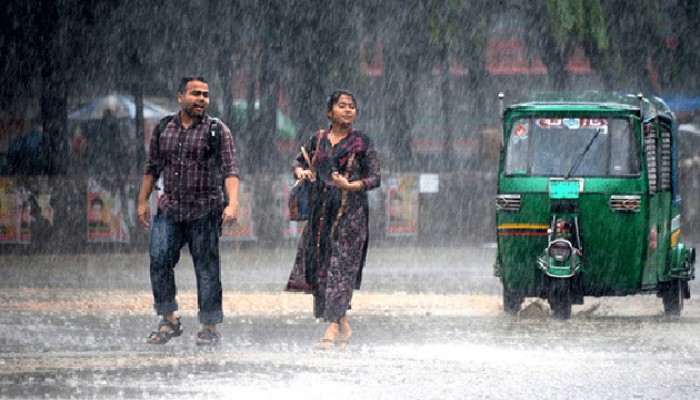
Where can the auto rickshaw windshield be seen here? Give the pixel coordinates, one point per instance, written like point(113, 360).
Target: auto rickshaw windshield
point(541, 146)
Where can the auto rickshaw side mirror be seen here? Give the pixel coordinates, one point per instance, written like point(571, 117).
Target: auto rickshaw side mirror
point(501, 95)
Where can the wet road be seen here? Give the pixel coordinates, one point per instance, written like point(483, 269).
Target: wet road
point(427, 325)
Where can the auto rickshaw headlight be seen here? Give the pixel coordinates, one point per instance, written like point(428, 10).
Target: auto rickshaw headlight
point(559, 250)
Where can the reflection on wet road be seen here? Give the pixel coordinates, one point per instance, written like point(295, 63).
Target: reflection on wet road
point(427, 325)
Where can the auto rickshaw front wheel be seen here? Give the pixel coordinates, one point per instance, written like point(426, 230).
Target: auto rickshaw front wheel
point(560, 298)
point(672, 296)
point(512, 300)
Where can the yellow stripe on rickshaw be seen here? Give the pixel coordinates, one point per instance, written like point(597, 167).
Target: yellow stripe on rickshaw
point(523, 226)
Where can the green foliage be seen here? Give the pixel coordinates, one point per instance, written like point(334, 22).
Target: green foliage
point(566, 16)
point(597, 27)
point(583, 19)
point(311, 46)
point(444, 24)
point(456, 26)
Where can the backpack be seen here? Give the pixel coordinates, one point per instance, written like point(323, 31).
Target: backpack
point(213, 147)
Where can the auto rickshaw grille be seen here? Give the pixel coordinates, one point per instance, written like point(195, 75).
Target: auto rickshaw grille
point(650, 145)
point(665, 159)
point(508, 202)
point(625, 203)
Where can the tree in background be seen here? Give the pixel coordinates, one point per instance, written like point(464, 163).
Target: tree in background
point(684, 46)
point(70, 49)
point(637, 45)
point(404, 61)
point(129, 46)
point(453, 40)
point(558, 27)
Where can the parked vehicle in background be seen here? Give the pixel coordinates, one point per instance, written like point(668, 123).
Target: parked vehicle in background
point(588, 202)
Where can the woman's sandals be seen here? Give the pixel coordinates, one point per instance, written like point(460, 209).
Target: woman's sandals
point(345, 333)
point(340, 339)
point(162, 336)
point(329, 338)
point(325, 344)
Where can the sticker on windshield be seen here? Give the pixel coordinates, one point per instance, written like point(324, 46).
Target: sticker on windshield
point(594, 122)
point(572, 123)
point(549, 122)
point(520, 132)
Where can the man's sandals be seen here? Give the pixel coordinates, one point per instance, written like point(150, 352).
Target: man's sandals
point(162, 336)
point(208, 337)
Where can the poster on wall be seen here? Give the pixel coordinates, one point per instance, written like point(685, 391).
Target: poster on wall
point(106, 216)
point(244, 228)
point(402, 203)
point(26, 210)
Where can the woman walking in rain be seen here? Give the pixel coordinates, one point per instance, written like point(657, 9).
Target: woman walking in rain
point(333, 246)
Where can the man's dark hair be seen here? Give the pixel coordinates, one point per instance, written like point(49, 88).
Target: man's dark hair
point(187, 79)
point(335, 96)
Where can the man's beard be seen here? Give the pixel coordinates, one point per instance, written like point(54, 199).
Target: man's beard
point(194, 114)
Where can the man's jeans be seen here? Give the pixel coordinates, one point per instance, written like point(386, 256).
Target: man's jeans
point(202, 238)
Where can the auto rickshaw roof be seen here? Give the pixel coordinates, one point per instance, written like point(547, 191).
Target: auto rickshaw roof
point(591, 101)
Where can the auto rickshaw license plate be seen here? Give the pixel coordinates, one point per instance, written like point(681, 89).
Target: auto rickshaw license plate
point(561, 189)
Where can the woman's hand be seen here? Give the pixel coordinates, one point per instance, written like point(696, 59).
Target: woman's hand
point(342, 183)
point(304, 174)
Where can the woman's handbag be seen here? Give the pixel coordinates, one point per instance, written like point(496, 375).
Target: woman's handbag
point(300, 194)
point(299, 198)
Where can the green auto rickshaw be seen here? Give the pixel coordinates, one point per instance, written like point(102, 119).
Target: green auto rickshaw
point(588, 202)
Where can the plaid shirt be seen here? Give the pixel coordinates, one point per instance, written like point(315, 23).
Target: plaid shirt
point(189, 189)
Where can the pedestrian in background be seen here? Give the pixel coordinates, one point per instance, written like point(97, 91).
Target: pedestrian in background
point(190, 210)
point(333, 246)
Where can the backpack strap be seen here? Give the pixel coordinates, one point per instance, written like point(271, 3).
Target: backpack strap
point(161, 126)
point(159, 130)
point(214, 155)
point(214, 140)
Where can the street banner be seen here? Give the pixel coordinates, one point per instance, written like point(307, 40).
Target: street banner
point(106, 220)
point(26, 210)
point(244, 228)
point(402, 203)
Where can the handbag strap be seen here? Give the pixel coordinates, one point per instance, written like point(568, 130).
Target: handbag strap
point(344, 198)
point(306, 154)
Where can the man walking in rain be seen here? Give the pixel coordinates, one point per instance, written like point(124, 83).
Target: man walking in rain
point(193, 154)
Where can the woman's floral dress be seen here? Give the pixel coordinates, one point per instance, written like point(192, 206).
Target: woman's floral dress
point(333, 246)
